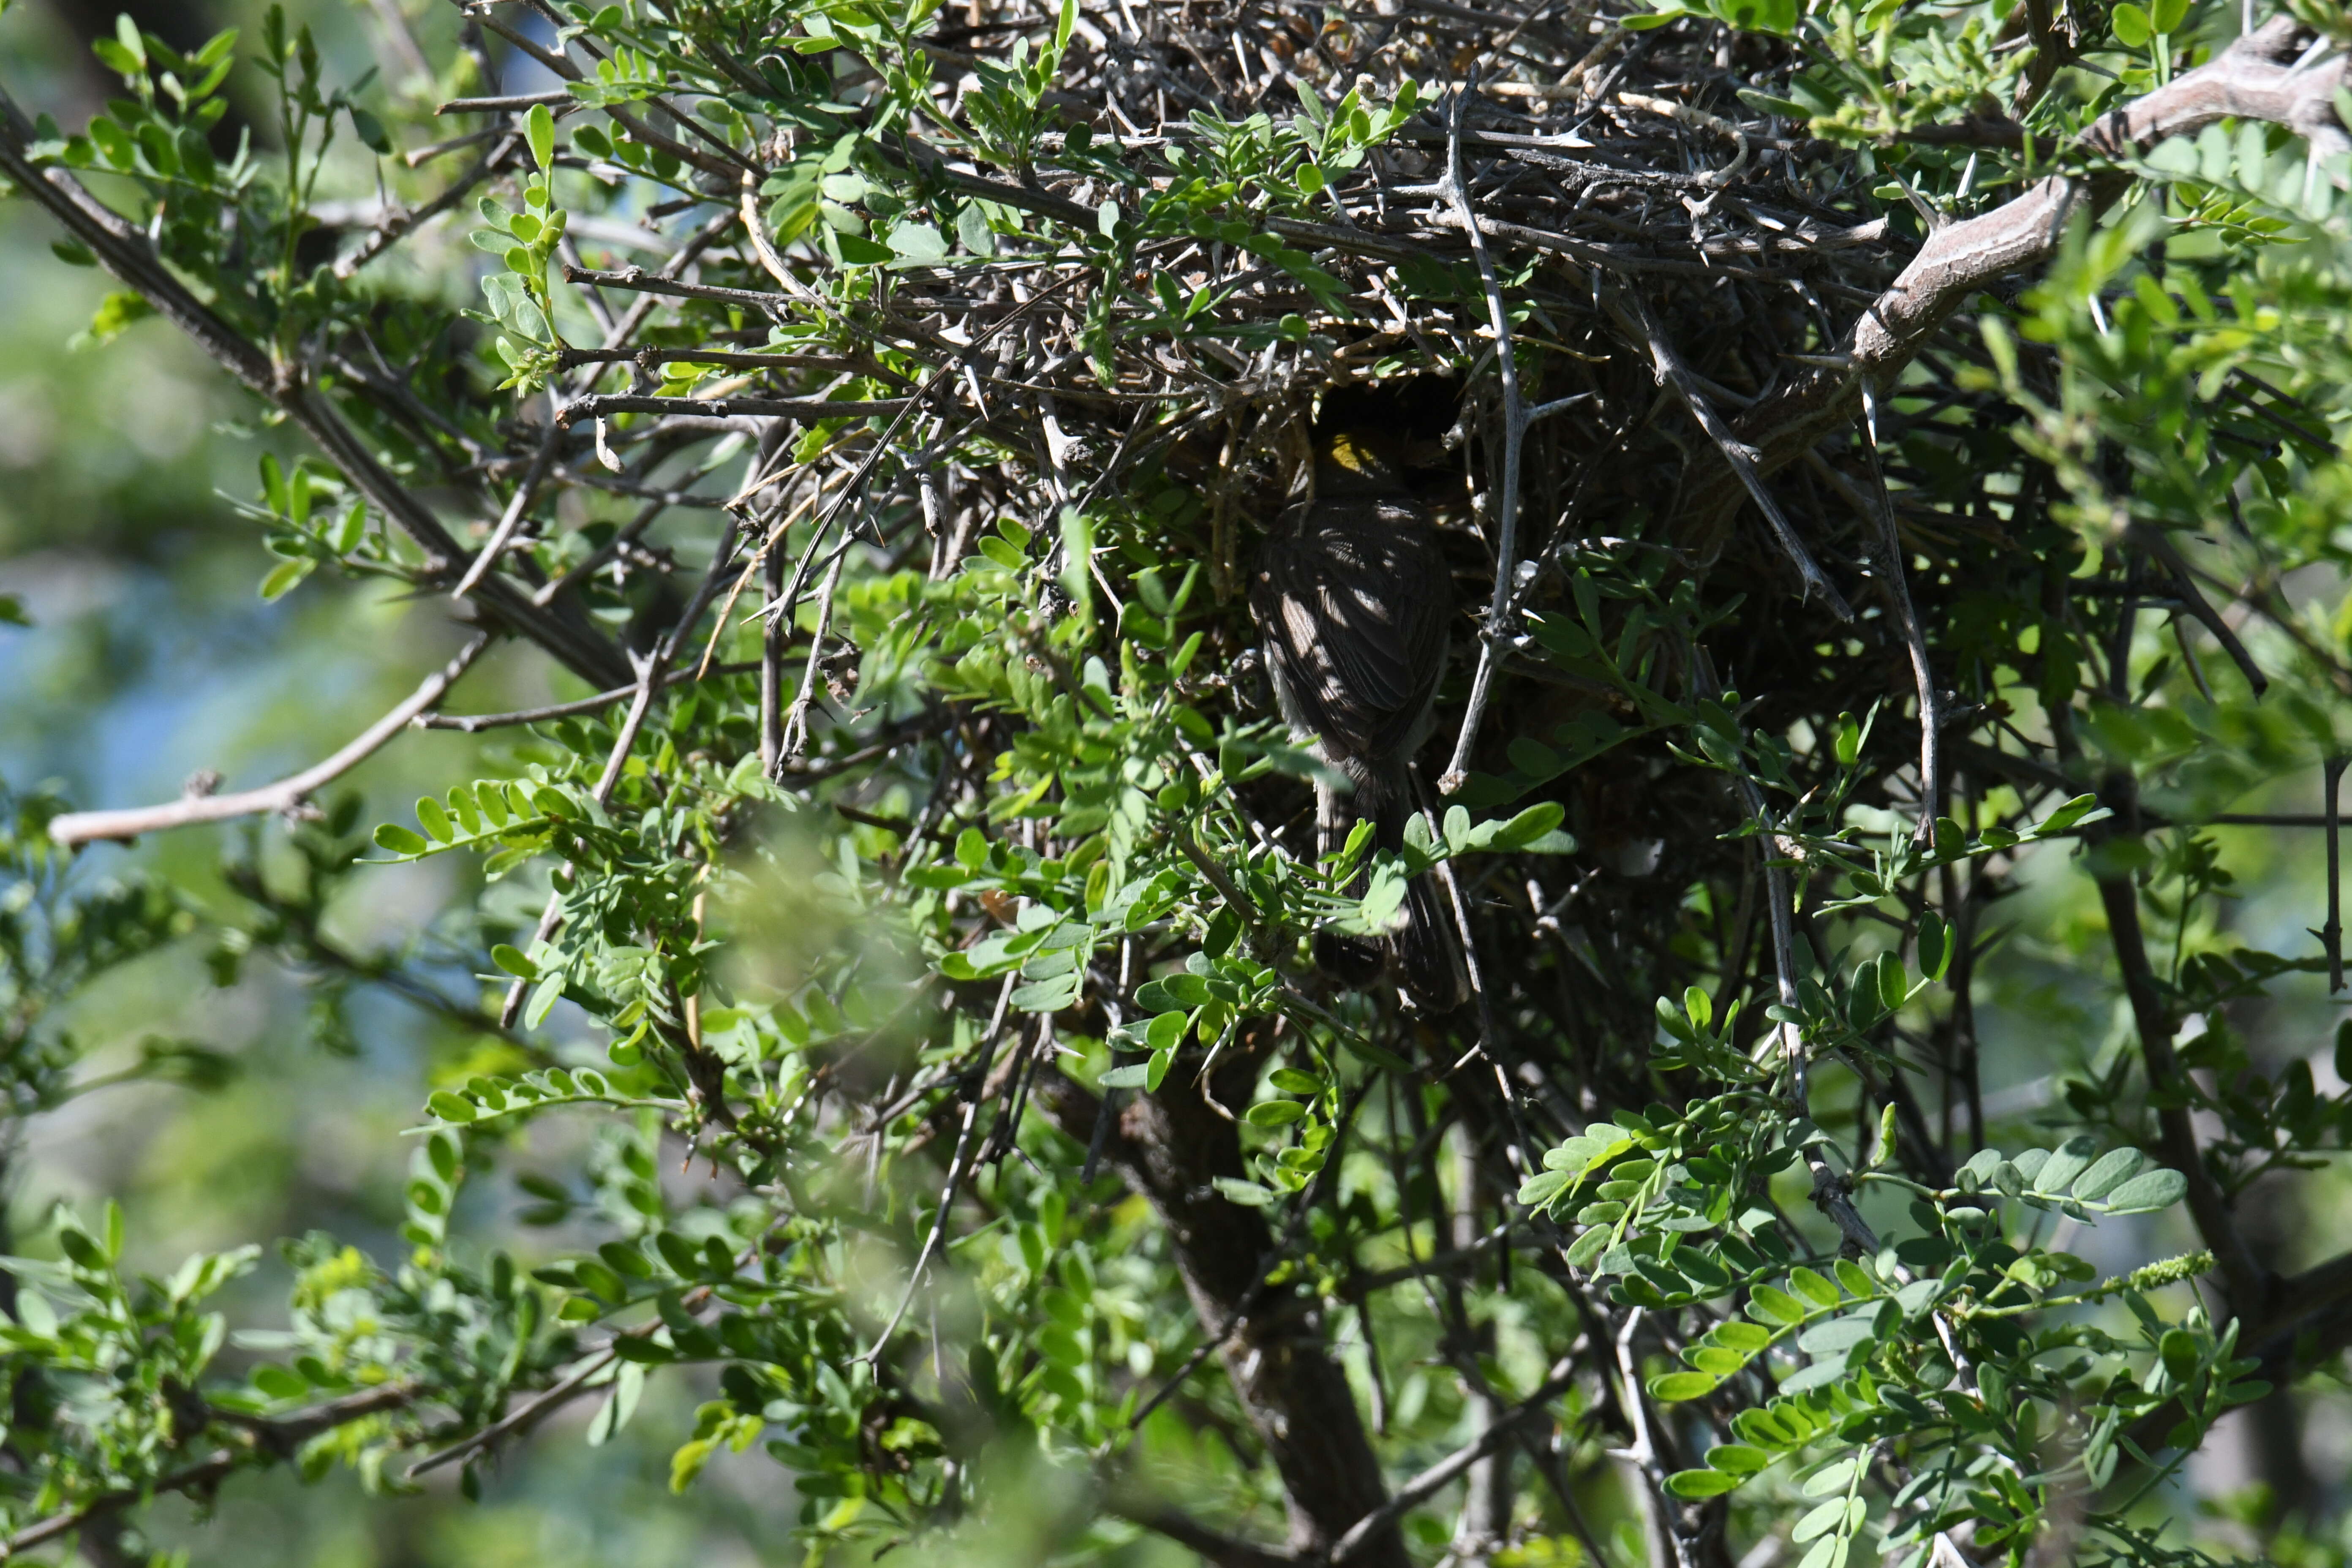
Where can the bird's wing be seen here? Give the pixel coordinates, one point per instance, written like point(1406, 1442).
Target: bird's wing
point(1354, 599)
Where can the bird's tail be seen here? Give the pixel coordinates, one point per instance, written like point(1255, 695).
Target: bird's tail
point(1429, 949)
point(1426, 950)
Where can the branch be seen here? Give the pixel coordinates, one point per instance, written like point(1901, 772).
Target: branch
point(2253, 79)
point(474, 723)
point(85, 827)
point(126, 253)
point(273, 1438)
point(2249, 1282)
point(1880, 514)
point(599, 405)
point(1515, 430)
point(1738, 455)
point(1212, 1546)
point(976, 1078)
point(563, 1392)
point(1427, 1483)
point(2155, 543)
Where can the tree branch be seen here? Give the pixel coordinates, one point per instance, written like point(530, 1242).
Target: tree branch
point(2253, 79)
point(2249, 1281)
point(126, 253)
point(1220, 1550)
point(598, 406)
point(274, 1439)
point(1515, 431)
point(1427, 1483)
point(79, 827)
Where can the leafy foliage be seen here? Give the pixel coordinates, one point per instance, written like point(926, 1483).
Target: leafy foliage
point(948, 917)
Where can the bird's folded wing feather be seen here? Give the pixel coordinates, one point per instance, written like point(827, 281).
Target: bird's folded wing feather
point(1354, 597)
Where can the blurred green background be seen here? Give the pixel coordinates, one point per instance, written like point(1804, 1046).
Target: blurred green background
point(149, 656)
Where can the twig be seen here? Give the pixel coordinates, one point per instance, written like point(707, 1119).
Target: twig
point(726, 359)
point(1685, 114)
point(977, 1077)
point(1427, 1483)
point(597, 405)
point(474, 723)
point(1219, 1549)
point(87, 827)
point(517, 505)
point(502, 105)
point(561, 1392)
point(280, 1436)
point(2155, 543)
point(773, 635)
point(651, 671)
point(1507, 498)
point(1898, 587)
point(794, 736)
point(126, 252)
point(1634, 1400)
point(2247, 1279)
point(1671, 371)
point(2332, 933)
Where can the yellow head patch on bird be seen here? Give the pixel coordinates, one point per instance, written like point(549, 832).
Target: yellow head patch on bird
point(1349, 451)
point(1358, 459)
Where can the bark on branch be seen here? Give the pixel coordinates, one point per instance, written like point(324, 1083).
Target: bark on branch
point(79, 827)
point(2253, 79)
point(1169, 1147)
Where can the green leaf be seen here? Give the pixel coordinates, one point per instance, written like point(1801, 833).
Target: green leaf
point(284, 576)
point(2166, 16)
point(539, 127)
point(2110, 1173)
point(2069, 1159)
point(1813, 1287)
point(2149, 1191)
point(1935, 945)
point(1695, 1484)
point(82, 1250)
point(1820, 1520)
point(1249, 1195)
point(451, 1107)
point(1674, 1386)
point(1748, 1338)
point(514, 961)
point(2132, 26)
point(1274, 1113)
point(543, 998)
point(917, 244)
point(400, 840)
point(1543, 1186)
point(1588, 1248)
point(2082, 806)
point(1738, 1459)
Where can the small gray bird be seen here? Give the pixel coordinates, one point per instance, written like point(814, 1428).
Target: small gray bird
point(1353, 599)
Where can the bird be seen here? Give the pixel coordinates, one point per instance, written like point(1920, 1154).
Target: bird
point(1354, 602)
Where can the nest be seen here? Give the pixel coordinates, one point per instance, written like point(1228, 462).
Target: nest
point(1056, 325)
